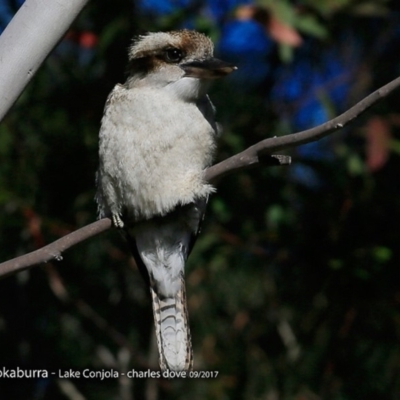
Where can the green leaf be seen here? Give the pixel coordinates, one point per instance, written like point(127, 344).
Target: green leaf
point(355, 165)
point(328, 7)
point(286, 53)
point(335, 264)
point(221, 210)
point(310, 25)
point(382, 254)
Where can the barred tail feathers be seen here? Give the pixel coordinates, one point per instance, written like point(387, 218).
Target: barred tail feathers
point(172, 330)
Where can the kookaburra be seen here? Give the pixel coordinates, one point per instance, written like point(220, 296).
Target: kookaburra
point(157, 137)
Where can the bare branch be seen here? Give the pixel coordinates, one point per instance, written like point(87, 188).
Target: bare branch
point(251, 156)
point(256, 154)
point(53, 251)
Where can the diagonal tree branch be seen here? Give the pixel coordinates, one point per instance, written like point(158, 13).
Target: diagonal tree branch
point(53, 251)
point(256, 154)
point(251, 156)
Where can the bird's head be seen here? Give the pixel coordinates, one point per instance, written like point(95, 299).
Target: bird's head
point(180, 60)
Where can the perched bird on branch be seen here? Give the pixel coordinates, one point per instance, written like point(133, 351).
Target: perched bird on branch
point(157, 137)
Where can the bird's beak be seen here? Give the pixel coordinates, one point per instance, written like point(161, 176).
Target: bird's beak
point(208, 69)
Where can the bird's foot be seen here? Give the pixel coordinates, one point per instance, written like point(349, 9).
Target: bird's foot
point(117, 221)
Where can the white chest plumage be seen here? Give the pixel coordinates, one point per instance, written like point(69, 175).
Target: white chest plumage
point(160, 146)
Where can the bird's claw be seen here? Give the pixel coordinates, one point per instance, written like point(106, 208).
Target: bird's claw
point(117, 221)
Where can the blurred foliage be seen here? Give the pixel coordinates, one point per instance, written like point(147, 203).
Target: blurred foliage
point(293, 286)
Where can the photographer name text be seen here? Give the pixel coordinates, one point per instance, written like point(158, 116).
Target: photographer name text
point(18, 373)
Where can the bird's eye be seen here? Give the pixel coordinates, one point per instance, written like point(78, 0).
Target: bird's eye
point(173, 55)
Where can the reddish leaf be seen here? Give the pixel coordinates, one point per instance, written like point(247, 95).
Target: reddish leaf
point(88, 39)
point(283, 33)
point(378, 135)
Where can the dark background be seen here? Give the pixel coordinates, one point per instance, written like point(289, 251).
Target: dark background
point(293, 286)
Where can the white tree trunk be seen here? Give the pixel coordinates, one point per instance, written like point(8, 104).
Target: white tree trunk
point(28, 39)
